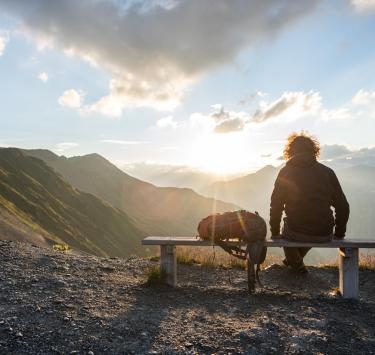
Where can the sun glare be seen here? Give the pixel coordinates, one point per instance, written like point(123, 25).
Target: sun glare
point(221, 154)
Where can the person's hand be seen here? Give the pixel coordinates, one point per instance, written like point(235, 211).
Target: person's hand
point(338, 237)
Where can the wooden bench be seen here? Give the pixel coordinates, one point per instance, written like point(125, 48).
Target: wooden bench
point(348, 257)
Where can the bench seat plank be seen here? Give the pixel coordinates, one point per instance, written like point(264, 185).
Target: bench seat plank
point(192, 241)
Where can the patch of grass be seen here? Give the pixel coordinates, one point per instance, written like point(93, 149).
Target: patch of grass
point(154, 276)
point(237, 263)
point(62, 248)
point(366, 262)
point(186, 260)
point(214, 257)
point(202, 256)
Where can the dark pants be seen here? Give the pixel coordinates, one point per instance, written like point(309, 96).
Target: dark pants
point(294, 256)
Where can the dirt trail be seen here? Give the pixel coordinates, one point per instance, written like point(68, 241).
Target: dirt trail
point(53, 303)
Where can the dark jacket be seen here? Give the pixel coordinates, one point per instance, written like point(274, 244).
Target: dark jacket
point(306, 189)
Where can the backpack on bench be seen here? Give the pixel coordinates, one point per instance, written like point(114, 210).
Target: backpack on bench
point(239, 226)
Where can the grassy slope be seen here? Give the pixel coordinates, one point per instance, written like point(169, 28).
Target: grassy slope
point(157, 210)
point(17, 226)
point(39, 197)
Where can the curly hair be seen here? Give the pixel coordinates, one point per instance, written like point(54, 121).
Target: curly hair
point(301, 143)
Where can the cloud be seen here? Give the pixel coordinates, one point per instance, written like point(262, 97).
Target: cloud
point(62, 147)
point(289, 106)
point(107, 105)
point(230, 125)
point(201, 121)
point(291, 103)
point(295, 105)
point(167, 122)
point(363, 97)
point(362, 104)
point(71, 98)
point(153, 50)
point(122, 142)
point(341, 156)
point(4, 38)
point(221, 114)
point(252, 97)
point(334, 151)
point(364, 6)
point(227, 121)
point(43, 77)
point(340, 151)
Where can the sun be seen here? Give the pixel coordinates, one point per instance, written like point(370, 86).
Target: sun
point(221, 154)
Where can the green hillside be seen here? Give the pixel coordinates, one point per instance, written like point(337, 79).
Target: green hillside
point(40, 200)
point(17, 226)
point(156, 210)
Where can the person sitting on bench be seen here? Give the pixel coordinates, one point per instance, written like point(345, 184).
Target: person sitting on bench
point(306, 190)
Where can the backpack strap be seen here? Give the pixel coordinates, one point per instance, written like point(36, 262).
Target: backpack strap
point(252, 259)
point(257, 275)
point(232, 250)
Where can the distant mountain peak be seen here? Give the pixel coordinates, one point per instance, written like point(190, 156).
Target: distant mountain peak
point(266, 168)
point(43, 154)
point(93, 158)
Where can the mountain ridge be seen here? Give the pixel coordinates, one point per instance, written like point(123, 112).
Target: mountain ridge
point(156, 210)
point(33, 193)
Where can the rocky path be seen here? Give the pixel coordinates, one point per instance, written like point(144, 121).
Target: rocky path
point(54, 303)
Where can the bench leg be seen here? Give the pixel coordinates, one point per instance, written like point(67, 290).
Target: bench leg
point(168, 264)
point(349, 269)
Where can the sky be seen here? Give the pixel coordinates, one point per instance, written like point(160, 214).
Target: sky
point(212, 84)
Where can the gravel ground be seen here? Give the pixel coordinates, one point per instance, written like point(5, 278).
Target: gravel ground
point(55, 303)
